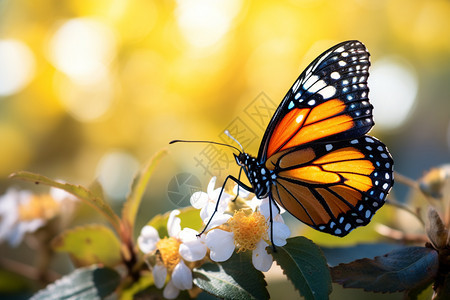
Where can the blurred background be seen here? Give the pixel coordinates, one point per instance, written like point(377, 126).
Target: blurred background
point(92, 89)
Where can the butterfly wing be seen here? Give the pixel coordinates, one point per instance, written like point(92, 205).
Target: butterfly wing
point(333, 187)
point(328, 101)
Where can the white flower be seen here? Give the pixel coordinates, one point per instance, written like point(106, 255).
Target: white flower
point(22, 212)
point(207, 202)
point(248, 232)
point(179, 246)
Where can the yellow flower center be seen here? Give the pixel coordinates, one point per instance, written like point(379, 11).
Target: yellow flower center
point(39, 207)
point(248, 229)
point(168, 248)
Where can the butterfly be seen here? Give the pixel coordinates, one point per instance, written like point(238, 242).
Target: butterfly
point(315, 159)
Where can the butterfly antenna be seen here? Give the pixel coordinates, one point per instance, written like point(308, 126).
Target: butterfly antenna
point(234, 139)
point(205, 142)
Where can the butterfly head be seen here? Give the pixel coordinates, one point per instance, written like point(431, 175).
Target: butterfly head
point(241, 159)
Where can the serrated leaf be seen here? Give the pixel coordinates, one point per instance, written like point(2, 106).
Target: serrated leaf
point(189, 216)
point(305, 266)
point(87, 245)
point(235, 278)
point(338, 255)
point(403, 269)
point(86, 283)
point(138, 187)
point(79, 191)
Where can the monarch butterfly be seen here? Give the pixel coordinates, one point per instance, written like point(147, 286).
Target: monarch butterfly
point(315, 159)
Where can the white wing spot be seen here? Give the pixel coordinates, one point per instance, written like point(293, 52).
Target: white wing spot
point(328, 92)
point(311, 80)
point(340, 49)
point(342, 63)
point(344, 54)
point(296, 85)
point(317, 86)
point(311, 102)
point(335, 75)
point(329, 147)
point(369, 140)
point(299, 119)
point(354, 142)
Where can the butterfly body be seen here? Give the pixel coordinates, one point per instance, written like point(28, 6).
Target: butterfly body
point(315, 159)
point(260, 177)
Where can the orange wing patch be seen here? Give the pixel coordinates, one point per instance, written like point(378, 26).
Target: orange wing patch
point(339, 178)
point(309, 211)
point(287, 127)
point(301, 126)
point(294, 158)
point(334, 203)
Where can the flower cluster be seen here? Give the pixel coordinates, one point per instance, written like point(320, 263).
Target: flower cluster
point(243, 224)
point(23, 212)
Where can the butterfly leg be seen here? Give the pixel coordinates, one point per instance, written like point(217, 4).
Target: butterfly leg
point(271, 223)
point(239, 179)
point(220, 195)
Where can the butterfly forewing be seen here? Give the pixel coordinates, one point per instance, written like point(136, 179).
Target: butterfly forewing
point(329, 101)
point(333, 187)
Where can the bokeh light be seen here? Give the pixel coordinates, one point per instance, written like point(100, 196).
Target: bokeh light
point(82, 48)
point(17, 66)
point(393, 89)
point(89, 90)
point(115, 172)
point(203, 22)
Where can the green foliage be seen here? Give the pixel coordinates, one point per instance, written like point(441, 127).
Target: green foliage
point(89, 245)
point(138, 187)
point(85, 283)
point(92, 198)
point(404, 269)
point(235, 278)
point(189, 218)
point(305, 266)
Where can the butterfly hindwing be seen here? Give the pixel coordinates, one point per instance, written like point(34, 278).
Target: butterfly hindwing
point(333, 187)
point(328, 101)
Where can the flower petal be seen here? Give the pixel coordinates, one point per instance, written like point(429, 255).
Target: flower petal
point(171, 291)
point(220, 244)
point(218, 219)
point(147, 239)
point(192, 248)
point(211, 186)
point(239, 190)
point(159, 275)
point(280, 233)
point(260, 258)
point(182, 276)
point(199, 199)
point(173, 224)
point(265, 209)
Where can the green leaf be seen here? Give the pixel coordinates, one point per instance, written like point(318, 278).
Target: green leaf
point(89, 245)
point(189, 216)
point(92, 198)
point(305, 266)
point(235, 278)
point(138, 187)
point(86, 283)
point(399, 270)
point(337, 255)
